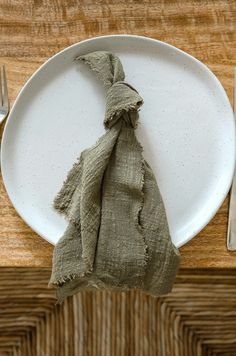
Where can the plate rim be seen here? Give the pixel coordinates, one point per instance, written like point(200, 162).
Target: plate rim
point(125, 36)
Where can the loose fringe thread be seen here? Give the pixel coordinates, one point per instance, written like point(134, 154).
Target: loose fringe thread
point(140, 207)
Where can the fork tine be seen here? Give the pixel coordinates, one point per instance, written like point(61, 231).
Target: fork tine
point(1, 100)
point(5, 95)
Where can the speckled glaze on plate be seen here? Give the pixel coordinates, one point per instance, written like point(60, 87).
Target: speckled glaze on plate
point(186, 128)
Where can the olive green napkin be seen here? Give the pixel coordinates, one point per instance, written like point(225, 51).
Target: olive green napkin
point(117, 236)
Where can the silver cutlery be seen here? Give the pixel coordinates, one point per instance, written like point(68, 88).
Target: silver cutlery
point(231, 235)
point(4, 102)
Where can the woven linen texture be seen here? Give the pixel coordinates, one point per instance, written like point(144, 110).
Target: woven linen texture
point(117, 235)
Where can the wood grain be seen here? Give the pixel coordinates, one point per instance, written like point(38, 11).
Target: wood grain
point(32, 31)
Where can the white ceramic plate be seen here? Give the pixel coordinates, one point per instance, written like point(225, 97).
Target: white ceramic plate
point(186, 128)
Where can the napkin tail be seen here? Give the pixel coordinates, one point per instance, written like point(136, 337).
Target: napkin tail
point(80, 201)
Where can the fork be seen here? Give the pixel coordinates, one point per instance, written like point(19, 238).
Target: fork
point(4, 102)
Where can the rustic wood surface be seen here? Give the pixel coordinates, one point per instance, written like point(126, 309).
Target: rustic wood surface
point(32, 31)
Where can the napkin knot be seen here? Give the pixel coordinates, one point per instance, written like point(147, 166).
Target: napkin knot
point(122, 100)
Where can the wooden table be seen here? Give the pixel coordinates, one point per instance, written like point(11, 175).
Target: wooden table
point(198, 317)
point(32, 31)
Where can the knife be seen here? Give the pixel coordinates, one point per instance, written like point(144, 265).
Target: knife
point(231, 234)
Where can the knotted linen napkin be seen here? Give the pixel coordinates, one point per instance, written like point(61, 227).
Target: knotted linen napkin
point(117, 236)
